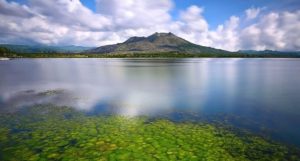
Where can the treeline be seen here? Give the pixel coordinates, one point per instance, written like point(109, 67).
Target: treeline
point(7, 53)
point(189, 55)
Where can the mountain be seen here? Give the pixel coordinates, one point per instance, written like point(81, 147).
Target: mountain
point(44, 48)
point(157, 42)
point(270, 52)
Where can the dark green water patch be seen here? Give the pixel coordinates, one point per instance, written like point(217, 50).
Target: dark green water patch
point(61, 133)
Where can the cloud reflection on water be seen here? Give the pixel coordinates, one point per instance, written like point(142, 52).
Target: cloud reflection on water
point(261, 90)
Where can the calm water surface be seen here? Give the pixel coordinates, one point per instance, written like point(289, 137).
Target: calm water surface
point(260, 95)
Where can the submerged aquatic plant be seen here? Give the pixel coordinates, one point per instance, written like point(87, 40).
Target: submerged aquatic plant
point(61, 133)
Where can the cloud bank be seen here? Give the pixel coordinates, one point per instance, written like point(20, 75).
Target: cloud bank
point(66, 22)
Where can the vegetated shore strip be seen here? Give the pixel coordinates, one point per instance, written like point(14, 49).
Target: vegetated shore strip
point(144, 55)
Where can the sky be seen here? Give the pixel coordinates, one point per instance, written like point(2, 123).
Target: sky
point(227, 24)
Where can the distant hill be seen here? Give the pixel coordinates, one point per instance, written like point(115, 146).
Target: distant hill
point(271, 52)
point(44, 49)
point(157, 42)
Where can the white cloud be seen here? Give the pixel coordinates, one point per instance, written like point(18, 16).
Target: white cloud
point(275, 31)
point(135, 13)
point(226, 36)
point(193, 21)
point(50, 22)
point(194, 27)
point(72, 13)
point(191, 25)
point(252, 13)
point(9, 9)
point(70, 22)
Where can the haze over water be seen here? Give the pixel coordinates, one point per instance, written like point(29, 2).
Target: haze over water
point(260, 95)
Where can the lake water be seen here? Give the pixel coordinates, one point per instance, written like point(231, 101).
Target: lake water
point(259, 95)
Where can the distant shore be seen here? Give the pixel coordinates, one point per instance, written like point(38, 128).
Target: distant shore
point(1, 58)
point(143, 55)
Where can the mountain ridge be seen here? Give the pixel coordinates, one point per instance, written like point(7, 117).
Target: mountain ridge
point(157, 42)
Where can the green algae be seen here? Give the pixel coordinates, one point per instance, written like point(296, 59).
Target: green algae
point(61, 133)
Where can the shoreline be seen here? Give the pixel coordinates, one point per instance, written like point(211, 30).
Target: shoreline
point(3, 58)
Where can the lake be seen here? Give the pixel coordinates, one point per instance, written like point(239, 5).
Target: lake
point(261, 96)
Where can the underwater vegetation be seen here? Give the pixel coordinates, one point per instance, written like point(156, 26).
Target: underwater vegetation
point(47, 132)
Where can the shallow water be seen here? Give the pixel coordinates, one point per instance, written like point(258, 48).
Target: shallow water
point(259, 95)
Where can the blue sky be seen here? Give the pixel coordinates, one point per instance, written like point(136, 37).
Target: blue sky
point(216, 12)
point(224, 24)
